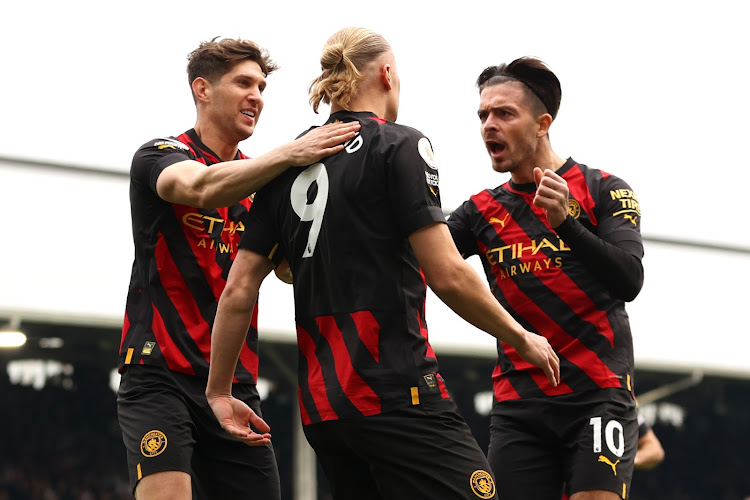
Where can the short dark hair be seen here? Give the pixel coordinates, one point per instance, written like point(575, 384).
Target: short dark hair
point(215, 58)
point(535, 76)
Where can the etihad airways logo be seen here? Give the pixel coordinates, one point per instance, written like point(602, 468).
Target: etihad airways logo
point(530, 248)
point(201, 222)
point(522, 257)
point(205, 226)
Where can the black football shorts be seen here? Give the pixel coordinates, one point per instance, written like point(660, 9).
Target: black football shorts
point(167, 425)
point(426, 451)
point(585, 441)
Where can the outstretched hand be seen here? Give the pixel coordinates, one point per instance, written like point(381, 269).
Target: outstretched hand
point(237, 418)
point(321, 142)
point(551, 195)
point(537, 351)
point(284, 272)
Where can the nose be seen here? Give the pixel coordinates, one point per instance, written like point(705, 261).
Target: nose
point(488, 126)
point(255, 96)
point(489, 123)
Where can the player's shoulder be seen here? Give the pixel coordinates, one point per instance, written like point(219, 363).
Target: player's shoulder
point(152, 153)
point(591, 171)
point(404, 132)
point(502, 191)
point(164, 143)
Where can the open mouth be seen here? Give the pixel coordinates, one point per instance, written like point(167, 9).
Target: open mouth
point(495, 148)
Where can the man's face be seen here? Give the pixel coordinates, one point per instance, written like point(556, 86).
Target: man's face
point(237, 100)
point(509, 128)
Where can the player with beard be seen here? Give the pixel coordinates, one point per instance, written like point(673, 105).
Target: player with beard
point(561, 247)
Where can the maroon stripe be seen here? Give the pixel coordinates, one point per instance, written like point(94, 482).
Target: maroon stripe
point(579, 189)
point(422, 328)
point(502, 387)
point(302, 410)
point(176, 361)
point(183, 301)
point(315, 383)
point(369, 332)
point(353, 385)
point(198, 229)
point(554, 278)
point(125, 329)
point(249, 358)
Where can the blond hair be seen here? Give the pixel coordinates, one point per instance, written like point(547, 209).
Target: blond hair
point(342, 62)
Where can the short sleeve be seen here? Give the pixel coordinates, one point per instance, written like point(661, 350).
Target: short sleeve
point(261, 229)
point(153, 157)
point(459, 223)
point(412, 180)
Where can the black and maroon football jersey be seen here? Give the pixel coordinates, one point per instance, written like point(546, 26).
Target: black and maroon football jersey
point(547, 289)
point(182, 260)
point(343, 224)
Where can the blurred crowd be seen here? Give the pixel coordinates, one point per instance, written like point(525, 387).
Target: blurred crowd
point(63, 442)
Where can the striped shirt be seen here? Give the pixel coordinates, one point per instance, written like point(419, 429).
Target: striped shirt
point(546, 288)
point(182, 260)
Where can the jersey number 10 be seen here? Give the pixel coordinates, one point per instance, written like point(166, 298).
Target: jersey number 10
point(612, 430)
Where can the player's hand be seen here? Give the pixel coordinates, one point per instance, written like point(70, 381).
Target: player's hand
point(321, 142)
point(236, 418)
point(551, 195)
point(284, 272)
point(536, 350)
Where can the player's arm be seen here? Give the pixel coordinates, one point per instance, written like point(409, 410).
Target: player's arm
point(232, 321)
point(191, 183)
point(460, 229)
point(650, 451)
point(616, 264)
point(456, 283)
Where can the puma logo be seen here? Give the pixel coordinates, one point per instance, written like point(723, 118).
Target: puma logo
point(495, 220)
point(604, 459)
point(631, 218)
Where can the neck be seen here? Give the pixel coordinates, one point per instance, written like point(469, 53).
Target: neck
point(545, 158)
point(215, 140)
point(363, 103)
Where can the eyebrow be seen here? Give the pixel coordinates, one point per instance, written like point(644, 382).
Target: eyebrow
point(507, 107)
point(249, 76)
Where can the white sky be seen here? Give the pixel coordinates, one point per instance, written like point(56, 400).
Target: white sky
point(654, 92)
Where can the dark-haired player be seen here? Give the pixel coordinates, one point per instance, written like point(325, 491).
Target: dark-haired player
point(189, 196)
point(561, 247)
point(356, 229)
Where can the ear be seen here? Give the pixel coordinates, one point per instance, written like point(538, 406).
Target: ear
point(545, 121)
point(385, 76)
point(201, 89)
